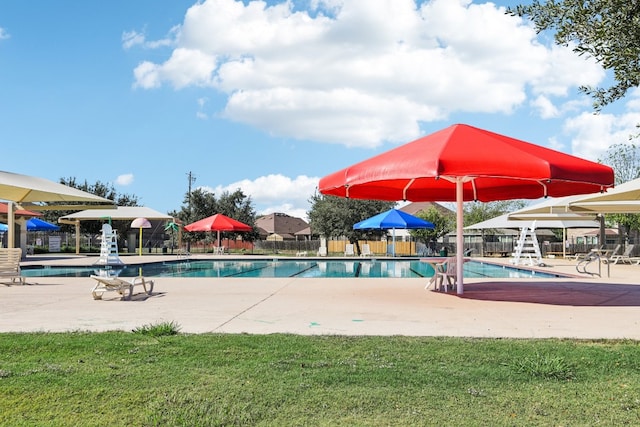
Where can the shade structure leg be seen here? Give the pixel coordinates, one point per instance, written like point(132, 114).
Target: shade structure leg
point(11, 222)
point(394, 242)
point(140, 244)
point(459, 235)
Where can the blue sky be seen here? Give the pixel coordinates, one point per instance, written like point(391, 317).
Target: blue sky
point(271, 96)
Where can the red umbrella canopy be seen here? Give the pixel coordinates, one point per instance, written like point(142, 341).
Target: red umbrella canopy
point(462, 163)
point(490, 166)
point(218, 222)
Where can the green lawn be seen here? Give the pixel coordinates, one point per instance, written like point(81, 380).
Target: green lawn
point(153, 377)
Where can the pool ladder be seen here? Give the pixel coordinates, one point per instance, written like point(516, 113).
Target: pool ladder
point(590, 258)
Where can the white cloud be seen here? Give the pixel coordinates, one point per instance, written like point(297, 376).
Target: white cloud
point(202, 102)
point(125, 179)
point(131, 38)
point(288, 208)
point(592, 134)
point(4, 34)
point(360, 73)
point(185, 67)
point(275, 193)
point(135, 38)
point(545, 107)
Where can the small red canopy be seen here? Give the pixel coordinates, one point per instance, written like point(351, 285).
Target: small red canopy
point(218, 222)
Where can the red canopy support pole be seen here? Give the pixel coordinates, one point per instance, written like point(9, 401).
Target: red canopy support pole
point(459, 234)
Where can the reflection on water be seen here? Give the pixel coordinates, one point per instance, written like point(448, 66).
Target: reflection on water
point(368, 268)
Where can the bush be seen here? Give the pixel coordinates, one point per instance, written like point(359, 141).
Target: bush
point(158, 329)
point(546, 367)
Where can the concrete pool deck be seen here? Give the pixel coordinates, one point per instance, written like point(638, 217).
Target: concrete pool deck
point(576, 307)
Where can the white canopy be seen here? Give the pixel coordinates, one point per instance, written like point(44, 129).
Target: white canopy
point(29, 191)
point(625, 198)
point(26, 190)
point(119, 213)
point(542, 221)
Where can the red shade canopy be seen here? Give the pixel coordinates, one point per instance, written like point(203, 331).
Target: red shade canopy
point(464, 163)
point(218, 222)
point(491, 167)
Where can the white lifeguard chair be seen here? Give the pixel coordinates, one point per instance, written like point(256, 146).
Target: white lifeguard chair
point(528, 250)
point(109, 247)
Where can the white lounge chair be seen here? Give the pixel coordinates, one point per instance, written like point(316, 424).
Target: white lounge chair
point(10, 264)
point(366, 250)
point(348, 250)
point(183, 253)
point(606, 257)
point(119, 285)
point(625, 258)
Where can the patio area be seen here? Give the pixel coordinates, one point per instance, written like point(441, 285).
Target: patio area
point(577, 307)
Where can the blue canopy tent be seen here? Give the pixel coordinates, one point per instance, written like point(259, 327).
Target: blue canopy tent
point(392, 219)
point(36, 224)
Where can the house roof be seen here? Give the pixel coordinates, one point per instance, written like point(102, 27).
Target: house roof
point(303, 232)
point(607, 232)
point(280, 223)
point(17, 212)
point(415, 207)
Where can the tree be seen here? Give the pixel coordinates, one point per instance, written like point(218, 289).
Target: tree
point(607, 30)
point(476, 212)
point(202, 204)
point(332, 216)
point(625, 161)
point(99, 189)
point(443, 223)
point(239, 206)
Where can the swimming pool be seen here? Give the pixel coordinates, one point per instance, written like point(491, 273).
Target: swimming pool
point(366, 268)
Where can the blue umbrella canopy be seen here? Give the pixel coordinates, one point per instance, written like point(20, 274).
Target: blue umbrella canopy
point(3, 228)
point(36, 224)
point(392, 219)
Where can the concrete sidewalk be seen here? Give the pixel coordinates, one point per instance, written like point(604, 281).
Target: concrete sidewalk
point(579, 307)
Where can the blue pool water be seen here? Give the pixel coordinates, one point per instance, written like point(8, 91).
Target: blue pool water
point(287, 268)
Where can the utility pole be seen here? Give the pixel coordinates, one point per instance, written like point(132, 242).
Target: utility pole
point(192, 179)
